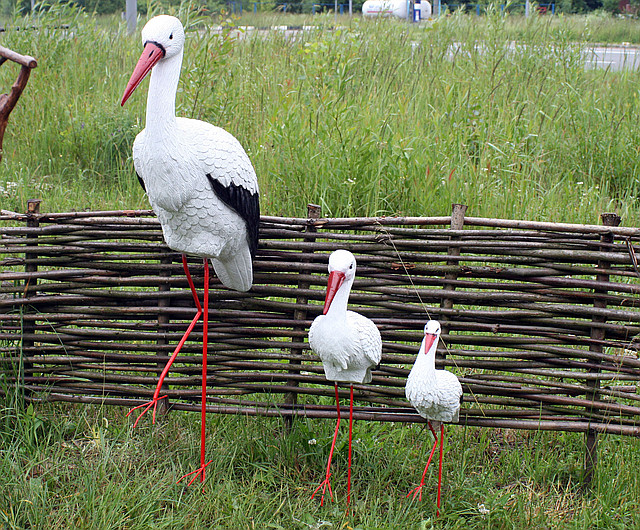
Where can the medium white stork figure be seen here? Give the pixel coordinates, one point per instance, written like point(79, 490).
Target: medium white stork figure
point(348, 344)
point(200, 183)
point(435, 394)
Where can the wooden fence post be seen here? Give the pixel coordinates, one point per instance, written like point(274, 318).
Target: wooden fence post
point(30, 289)
point(597, 336)
point(300, 315)
point(163, 321)
point(457, 223)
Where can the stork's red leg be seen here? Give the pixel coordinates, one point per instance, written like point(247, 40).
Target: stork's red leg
point(326, 482)
point(156, 395)
point(418, 489)
point(203, 409)
point(205, 339)
point(350, 432)
point(440, 469)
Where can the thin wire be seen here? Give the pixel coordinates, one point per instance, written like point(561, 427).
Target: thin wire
point(424, 306)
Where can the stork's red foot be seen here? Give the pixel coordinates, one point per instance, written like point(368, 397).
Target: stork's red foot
point(326, 483)
point(153, 403)
point(417, 491)
point(196, 473)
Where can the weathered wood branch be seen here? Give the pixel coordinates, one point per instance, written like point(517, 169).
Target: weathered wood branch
point(542, 319)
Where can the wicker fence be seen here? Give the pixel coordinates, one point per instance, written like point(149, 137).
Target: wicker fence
point(539, 319)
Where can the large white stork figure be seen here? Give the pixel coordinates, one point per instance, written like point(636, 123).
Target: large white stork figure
point(435, 394)
point(200, 183)
point(348, 344)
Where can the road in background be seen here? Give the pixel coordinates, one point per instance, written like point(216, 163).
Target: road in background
point(613, 57)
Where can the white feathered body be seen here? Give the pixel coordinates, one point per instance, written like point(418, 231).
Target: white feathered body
point(435, 394)
point(349, 347)
point(177, 159)
point(174, 168)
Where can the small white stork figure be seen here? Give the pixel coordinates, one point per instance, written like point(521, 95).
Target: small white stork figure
point(435, 394)
point(348, 344)
point(200, 183)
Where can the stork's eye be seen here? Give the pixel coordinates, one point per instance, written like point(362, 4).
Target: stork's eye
point(351, 266)
point(171, 37)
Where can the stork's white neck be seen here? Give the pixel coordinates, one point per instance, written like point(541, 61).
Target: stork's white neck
point(426, 361)
point(338, 308)
point(161, 99)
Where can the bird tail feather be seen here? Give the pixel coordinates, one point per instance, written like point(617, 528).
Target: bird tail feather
point(237, 272)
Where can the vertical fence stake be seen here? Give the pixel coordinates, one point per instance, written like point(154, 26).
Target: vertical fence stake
point(457, 223)
point(30, 289)
point(163, 321)
point(597, 335)
point(300, 315)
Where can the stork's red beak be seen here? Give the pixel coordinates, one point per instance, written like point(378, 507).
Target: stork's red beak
point(151, 54)
point(429, 339)
point(333, 284)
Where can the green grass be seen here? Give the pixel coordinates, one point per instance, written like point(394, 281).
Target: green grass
point(375, 118)
point(67, 466)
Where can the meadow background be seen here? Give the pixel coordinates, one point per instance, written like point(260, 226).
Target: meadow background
point(372, 118)
point(364, 118)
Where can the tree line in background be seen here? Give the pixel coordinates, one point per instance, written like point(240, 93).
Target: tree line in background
point(105, 7)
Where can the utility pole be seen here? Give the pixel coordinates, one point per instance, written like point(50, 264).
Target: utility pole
point(131, 15)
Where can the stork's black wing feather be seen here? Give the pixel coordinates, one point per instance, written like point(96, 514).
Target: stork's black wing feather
point(141, 183)
point(244, 203)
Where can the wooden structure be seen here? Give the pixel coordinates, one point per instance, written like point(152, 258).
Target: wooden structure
point(9, 101)
point(542, 320)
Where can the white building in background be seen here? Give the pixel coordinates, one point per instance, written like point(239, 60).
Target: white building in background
point(397, 8)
